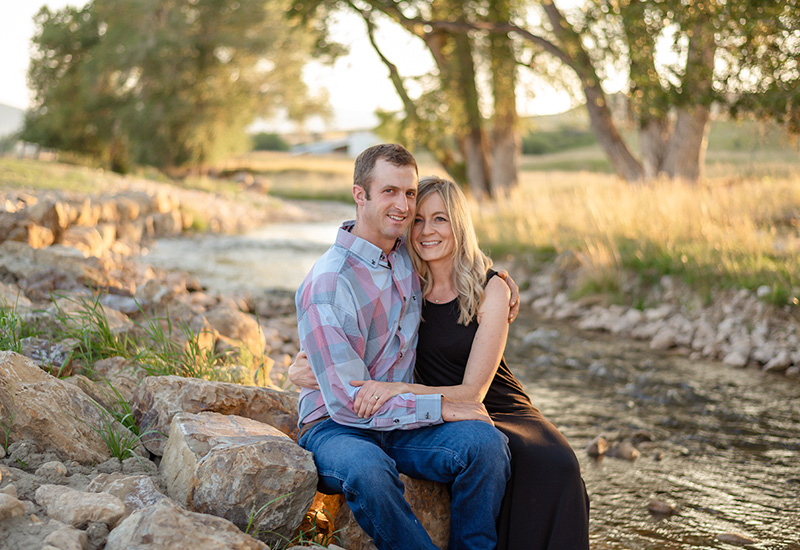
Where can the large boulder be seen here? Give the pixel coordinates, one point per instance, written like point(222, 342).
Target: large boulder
point(54, 414)
point(238, 326)
point(429, 501)
point(165, 526)
point(89, 240)
point(25, 262)
point(240, 469)
point(158, 398)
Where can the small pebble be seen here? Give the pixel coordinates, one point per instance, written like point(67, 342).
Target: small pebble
point(660, 508)
point(624, 450)
point(597, 446)
point(737, 539)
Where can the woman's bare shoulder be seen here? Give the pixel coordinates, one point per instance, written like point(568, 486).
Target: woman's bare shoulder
point(497, 289)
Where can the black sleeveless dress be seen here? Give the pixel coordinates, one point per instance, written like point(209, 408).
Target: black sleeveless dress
point(545, 505)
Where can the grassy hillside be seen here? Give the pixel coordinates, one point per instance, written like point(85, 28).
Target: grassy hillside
point(736, 149)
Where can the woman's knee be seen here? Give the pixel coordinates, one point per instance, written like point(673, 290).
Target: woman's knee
point(559, 460)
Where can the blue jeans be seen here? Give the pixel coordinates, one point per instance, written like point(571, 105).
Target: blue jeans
point(365, 465)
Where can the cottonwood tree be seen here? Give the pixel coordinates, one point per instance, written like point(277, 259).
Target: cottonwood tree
point(732, 55)
point(679, 59)
point(466, 114)
point(739, 56)
point(164, 82)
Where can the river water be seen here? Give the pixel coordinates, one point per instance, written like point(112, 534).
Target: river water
point(725, 449)
point(726, 442)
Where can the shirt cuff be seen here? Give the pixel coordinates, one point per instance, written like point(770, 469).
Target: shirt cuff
point(429, 409)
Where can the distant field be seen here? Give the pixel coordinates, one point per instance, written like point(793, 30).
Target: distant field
point(318, 177)
point(735, 150)
point(740, 227)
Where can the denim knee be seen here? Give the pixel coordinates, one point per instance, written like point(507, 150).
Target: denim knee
point(370, 477)
point(489, 448)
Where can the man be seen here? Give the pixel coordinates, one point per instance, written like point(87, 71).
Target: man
point(358, 312)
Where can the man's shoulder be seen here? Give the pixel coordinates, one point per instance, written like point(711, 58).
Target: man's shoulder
point(331, 275)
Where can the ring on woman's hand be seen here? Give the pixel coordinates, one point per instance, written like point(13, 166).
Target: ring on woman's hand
point(375, 397)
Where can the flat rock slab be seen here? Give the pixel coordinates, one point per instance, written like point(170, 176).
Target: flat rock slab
point(240, 469)
point(158, 398)
point(136, 492)
point(79, 509)
point(165, 526)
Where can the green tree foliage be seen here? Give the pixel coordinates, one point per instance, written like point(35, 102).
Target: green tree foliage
point(679, 58)
point(267, 141)
point(168, 83)
point(464, 113)
point(742, 56)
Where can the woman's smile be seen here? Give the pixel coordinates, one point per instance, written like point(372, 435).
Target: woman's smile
point(431, 232)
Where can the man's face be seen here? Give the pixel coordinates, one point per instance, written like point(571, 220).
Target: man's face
point(387, 213)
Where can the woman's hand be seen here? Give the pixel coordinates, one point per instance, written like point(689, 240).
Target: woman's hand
point(374, 394)
point(300, 373)
point(513, 304)
point(456, 411)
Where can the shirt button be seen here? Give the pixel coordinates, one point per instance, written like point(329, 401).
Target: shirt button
point(401, 354)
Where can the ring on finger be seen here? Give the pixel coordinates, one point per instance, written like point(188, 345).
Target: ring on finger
point(375, 397)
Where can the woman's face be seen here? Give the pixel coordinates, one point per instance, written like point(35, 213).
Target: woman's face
point(431, 233)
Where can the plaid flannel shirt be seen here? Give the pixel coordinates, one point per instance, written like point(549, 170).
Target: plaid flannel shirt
point(358, 312)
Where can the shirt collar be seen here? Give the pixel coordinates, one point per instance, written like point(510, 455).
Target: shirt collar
point(368, 252)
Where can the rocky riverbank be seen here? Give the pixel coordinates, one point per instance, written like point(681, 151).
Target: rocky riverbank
point(735, 327)
point(133, 402)
point(137, 409)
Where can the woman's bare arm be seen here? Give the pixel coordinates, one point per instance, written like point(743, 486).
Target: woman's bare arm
point(484, 358)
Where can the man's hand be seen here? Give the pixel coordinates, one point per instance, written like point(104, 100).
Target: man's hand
point(513, 305)
point(373, 394)
point(300, 373)
point(454, 411)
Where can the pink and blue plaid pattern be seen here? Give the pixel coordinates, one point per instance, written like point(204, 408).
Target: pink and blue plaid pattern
point(358, 312)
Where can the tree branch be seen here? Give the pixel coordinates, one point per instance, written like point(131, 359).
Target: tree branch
point(394, 74)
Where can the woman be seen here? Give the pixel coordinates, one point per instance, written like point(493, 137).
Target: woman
point(459, 355)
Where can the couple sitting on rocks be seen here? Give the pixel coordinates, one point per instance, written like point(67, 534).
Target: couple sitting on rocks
point(466, 422)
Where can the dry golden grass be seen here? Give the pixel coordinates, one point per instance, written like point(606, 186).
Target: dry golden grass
point(743, 233)
point(730, 230)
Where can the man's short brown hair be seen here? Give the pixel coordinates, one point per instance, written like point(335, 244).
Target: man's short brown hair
point(392, 153)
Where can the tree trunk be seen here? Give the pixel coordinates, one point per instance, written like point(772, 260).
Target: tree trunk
point(686, 152)
point(505, 158)
point(607, 135)
point(471, 134)
point(687, 146)
point(600, 117)
point(653, 146)
point(506, 143)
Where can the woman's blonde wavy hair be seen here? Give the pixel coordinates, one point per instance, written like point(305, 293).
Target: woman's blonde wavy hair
point(470, 263)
